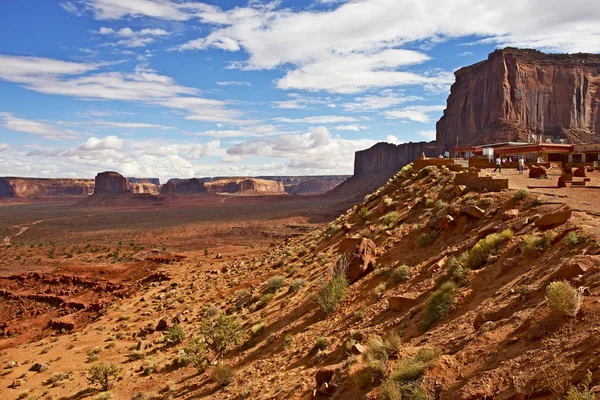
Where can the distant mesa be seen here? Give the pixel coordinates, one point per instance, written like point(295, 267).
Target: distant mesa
point(34, 188)
point(111, 183)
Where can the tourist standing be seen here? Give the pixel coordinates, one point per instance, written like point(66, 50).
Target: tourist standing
point(521, 165)
point(498, 164)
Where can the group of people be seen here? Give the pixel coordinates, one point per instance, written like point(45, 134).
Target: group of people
point(500, 161)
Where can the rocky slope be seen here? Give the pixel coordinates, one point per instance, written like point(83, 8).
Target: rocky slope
point(519, 92)
point(38, 188)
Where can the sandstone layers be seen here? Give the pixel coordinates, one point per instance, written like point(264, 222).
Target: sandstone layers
point(35, 187)
point(516, 92)
point(111, 183)
point(387, 157)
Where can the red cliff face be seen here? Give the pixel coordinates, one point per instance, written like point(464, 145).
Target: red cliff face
point(515, 93)
point(389, 158)
point(314, 186)
point(247, 185)
point(111, 182)
point(43, 188)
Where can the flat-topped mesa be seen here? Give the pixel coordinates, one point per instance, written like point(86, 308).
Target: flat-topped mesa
point(33, 188)
point(111, 183)
point(244, 185)
point(516, 93)
point(389, 158)
point(186, 186)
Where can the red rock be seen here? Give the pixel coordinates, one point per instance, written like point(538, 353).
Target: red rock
point(39, 188)
point(554, 218)
point(63, 323)
point(362, 253)
point(473, 212)
point(562, 182)
point(580, 265)
point(358, 349)
point(314, 186)
point(462, 222)
point(401, 303)
point(510, 214)
point(517, 226)
point(447, 223)
point(459, 190)
point(326, 374)
point(579, 172)
point(111, 182)
point(498, 99)
point(589, 168)
point(536, 171)
point(390, 158)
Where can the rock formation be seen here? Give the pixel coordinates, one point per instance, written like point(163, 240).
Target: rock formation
point(36, 187)
point(387, 157)
point(247, 185)
point(515, 93)
point(186, 186)
point(111, 183)
point(314, 186)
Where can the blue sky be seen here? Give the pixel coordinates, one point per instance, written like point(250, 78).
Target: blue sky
point(166, 88)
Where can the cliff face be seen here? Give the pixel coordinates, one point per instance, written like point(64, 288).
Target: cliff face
point(248, 185)
point(515, 93)
point(153, 181)
point(314, 186)
point(111, 183)
point(387, 157)
point(37, 187)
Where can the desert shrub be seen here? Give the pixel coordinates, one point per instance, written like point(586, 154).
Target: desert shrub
point(439, 305)
point(195, 351)
point(424, 172)
point(175, 334)
point(486, 247)
point(390, 218)
point(331, 293)
point(563, 298)
point(425, 239)
point(296, 285)
point(334, 229)
point(427, 354)
point(223, 374)
point(379, 350)
point(102, 374)
point(572, 239)
point(257, 328)
point(265, 299)
point(538, 243)
point(363, 378)
point(428, 202)
point(220, 334)
point(275, 283)
point(521, 194)
point(321, 343)
point(439, 205)
point(380, 289)
point(104, 396)
point(138, 354)
point(583, 391)
point(363, 213)
point(401, 273)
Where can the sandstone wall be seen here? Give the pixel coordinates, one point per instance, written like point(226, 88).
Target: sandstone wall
point(111, 183)
point(519, 92)
point(472, 180)
point(387, 157)
point(38, 187)
point(314, 186)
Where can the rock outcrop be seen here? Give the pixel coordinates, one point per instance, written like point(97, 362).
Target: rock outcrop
point(111, 183)
point(387, 157)
point(225, 185)
point(43, 188)
point(515, 93)
point(314, 186)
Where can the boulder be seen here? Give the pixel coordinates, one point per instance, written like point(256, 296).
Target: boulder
point(162, 325)
point(358, 349)
point(554, 218)
point(509, 214)
point(536, 171)
point(447, 223)
point(401, 303)
point(473, 212)
point(326, 374)
point(39, 367)
point(580, 265)
point(589, 168)
point(579, 172)
point(562, 182)
point(459, 190)
point(111, 182)
point(361, 253)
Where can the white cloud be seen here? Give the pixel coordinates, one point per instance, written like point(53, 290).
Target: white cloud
point(40, 128)
point(71, 8)
point(413, 113)
point(108, 143)
point(144, 86)
point(355, 128)
point(465, 54)
point(429, 135)
point(132, 38)
point(130, 125)
point(371, 103)
point(394, 139)
point(3, 146)
point(234, 83)
point(247, 131)
point(321, 119)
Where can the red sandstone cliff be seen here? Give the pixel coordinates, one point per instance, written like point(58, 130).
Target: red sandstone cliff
point(37, 187)
point(519, 92)
point(111, 183)
point(389, 158)
point(247, 185)
point(314, 186)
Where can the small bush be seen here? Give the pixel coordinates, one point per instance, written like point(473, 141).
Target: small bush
point(138, 354)
point(563, 298)
point(223, 374)
point(296, 285)
point(334, 229)
point(486, 247)
point(538, 243)
point(257, 328)
point(401, 273)
point(102, 374)
point(195, 352)
point(363, 213)
point(521, 194)
point(104, 396)
point(439, 305)
point(275, 283)
point(331, 293)
point(321, 343)
point(220, 334)
point(572, 239)
point(583, 391)
point(425, 239)
point(175, 335)
point(265, 299)
point(439, 205)
point(390, 219)
point(379, 350)
point(380, 290)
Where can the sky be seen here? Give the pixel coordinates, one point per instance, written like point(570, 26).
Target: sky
point(169, 88)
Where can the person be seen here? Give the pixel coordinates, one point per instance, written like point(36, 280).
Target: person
point(521, 165)
point(498, 164)
point(510, 159)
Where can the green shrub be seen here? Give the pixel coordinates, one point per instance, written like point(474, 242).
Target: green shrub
point(321, 343)
point(425, 239)
point(296, 285)
point(563, 298)
point(175, 334)
point(331, 293)
point(379, 350)
point(439, 305)
point(572, 239)
point(220, 334)
point(104, 396)
point(102, 374)
point(401, 273)
point(223, 374)
point(538, 243)
point(439, 205)
point(583, 391)
point(334, 229)
point(390, 218)
point(265, 299)
point(257, 328)
point(521, 194)
point(195, 351)
point(363, 213)
point(275, 283)
point(483, 249)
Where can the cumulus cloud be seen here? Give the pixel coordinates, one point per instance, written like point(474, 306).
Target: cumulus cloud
point(414, 113)
point(321, 119)
point(244, 131)
point(3, 146)
point(33, 127)
point(377, 102)
point(143, 85)
point(108, 143)
point(429, 135)
point(394, 139)
point(132, 38)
